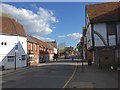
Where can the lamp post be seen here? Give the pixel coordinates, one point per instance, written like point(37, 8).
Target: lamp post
point(16, 50)
point(81, 50)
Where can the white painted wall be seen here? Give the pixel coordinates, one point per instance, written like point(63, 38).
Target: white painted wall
point(112, 40)
point(101, 29)
point(55, 51)
point(89, 37)
point(9, 50)
point(51, 57)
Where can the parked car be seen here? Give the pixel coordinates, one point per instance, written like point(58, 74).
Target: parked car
point(67, 57)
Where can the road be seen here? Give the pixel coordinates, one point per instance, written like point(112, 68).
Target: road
point(52, 75)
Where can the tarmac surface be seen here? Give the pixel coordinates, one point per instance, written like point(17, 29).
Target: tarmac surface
point(61, 74)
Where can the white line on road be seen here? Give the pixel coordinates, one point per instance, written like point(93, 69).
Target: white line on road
point(70, 77)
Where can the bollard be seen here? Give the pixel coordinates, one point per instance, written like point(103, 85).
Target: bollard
point(72, 59)
point(3, 68)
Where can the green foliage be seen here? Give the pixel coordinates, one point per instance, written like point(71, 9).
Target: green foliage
point(79, 46)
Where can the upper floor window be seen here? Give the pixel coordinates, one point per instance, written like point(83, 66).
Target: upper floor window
point(1, 43)
point(35, 47)
point(31, 46)
point(4, 43)
point(111, 28)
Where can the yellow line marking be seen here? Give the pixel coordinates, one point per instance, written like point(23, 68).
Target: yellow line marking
point(70, 77)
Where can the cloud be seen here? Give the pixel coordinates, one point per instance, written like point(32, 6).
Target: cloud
point(115, 0)
point(72, 35)
point(37, 24)
point(61, 36)
point(44, 38)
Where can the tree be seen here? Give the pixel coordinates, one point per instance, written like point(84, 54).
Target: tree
point(79, 46)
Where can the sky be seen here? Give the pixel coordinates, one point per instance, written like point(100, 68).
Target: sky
point(60, 21)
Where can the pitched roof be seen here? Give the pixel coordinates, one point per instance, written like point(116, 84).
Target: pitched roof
point(43, 44)
point(30, 39)
point(11, 27)
point(109, 11)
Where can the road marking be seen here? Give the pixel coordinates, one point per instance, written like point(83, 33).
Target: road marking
point(70, 77)
point(81, 85)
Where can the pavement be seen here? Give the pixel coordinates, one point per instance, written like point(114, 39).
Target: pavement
point(94, 77)
point(8, 71)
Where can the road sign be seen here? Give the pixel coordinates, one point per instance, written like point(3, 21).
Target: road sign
point(16, 48)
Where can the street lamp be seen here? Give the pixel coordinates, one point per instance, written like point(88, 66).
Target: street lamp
point(81, 50)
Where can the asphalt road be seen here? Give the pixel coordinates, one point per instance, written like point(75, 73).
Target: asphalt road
point(53, 75)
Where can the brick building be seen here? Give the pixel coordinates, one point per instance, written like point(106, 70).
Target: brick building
point(32, 51)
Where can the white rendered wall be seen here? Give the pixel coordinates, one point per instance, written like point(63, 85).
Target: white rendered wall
point(55, 51)
point(9, 50)
point(89, 37)
point(112, 40)
point(51, 57)
point(101, 29)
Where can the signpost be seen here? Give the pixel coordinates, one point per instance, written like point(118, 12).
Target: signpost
point(16, 50)
point(81, 50)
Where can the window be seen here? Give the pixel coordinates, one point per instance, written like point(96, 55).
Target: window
point(23, 57)
point(1, 43)
point(5, 43)
point(111, 28)
point(35, 47)
point(10, 58)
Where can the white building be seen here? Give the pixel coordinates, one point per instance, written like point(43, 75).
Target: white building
point(103, 31)
point(12, 34)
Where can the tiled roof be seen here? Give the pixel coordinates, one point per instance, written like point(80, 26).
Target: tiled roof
point(30, 39)
point(43, 44)
point(11, 27)
point(109, 11)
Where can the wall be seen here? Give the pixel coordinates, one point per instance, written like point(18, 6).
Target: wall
point(55, 51)
point(101, 29)
point(89, 37)
point(34, 53)
point(51, 57)
point(9, 50)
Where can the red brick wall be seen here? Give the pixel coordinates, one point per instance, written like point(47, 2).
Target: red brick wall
point(33, 49)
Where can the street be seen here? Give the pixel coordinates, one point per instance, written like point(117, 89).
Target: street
point(53, 75)
point(61, 74)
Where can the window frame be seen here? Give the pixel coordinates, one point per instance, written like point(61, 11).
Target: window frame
point(23, 58)
point(10, 58)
